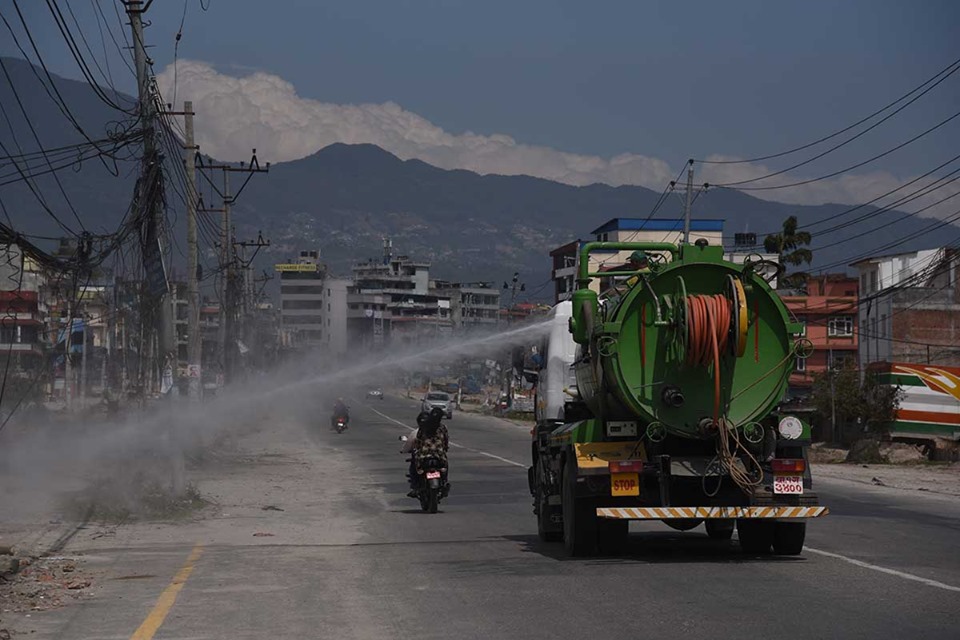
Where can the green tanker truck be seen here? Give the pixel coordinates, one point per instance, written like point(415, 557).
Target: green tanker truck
point(659, 400)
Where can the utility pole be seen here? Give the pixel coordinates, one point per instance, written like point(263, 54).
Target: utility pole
point(83, 362)
point(147, 197)
point(67, 369)
point(227, 261)
point(194, 340)
point(688, 204)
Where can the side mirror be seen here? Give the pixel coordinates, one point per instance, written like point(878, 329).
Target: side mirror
point(403, 438)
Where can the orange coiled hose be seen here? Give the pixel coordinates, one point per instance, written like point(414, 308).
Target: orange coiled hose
point(708, 332)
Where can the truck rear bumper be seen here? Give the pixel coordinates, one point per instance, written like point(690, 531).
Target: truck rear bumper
point(669, 513)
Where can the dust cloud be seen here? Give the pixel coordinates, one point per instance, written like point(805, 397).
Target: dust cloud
point(135, 465)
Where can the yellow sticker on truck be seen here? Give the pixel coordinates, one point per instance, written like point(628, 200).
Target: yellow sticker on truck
point(624, 484)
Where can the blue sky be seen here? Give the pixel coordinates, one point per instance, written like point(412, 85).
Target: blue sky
point(667, 80)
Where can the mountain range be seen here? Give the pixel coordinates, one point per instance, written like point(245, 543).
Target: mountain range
point(344, 199)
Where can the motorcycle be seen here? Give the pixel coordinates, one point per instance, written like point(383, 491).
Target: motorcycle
point(432, 486)
point(340, 423)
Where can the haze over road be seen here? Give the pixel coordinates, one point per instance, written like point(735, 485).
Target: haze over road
point(340, 552)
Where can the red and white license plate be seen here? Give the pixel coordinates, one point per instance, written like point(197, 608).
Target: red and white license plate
point(788, 484)
point(432, 474)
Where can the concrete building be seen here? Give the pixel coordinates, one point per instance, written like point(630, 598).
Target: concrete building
point(827, 309)
point(472, 304)
point(302, 300)
point(910, 307)
point(335, 312)
point(391, 300)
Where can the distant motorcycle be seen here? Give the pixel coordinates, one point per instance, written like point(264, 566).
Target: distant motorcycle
point(432, 485)
point(340, 423)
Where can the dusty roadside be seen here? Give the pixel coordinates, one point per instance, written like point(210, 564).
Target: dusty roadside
point(943, 479)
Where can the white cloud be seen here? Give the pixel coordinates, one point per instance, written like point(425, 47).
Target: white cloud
point(263, 111)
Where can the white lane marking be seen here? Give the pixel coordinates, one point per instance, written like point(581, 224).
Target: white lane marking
point(452, 444)
point(893, 572)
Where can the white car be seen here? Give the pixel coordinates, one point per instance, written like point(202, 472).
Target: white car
point(375, 393)
point(437, 399)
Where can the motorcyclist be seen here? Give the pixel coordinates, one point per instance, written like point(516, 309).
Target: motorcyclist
point(432, 441)
point(340, 410)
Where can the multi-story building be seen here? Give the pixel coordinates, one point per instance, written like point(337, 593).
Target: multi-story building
point(910, 306)
point(335, 312)
point(302, 300)
point(828, 311)
point(392, 300)
point(472, 304)
point(22, 310)
point(565, 258)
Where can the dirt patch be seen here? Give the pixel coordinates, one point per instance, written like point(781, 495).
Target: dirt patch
point(45, 583)
point(823, 453)
point(866, 451)
point(143, 498)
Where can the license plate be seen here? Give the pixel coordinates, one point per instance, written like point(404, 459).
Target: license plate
point(432, 474)
point(788, 484)
point(624, 484)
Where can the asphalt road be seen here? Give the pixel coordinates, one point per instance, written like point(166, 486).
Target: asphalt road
point(341, 552)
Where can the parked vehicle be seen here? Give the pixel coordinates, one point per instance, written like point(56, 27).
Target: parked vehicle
point(437, 399)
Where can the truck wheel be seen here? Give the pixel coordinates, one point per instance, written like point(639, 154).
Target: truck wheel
point(719, 529)
point(579, 524)
point(788, 538)
point(756, 535)
point(612, 536)
point(546, 529)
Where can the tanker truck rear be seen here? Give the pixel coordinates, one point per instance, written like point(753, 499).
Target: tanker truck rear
point(659, 400)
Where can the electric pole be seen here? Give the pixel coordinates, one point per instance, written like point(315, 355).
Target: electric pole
point(157, 286)
point(194, 340)
point(227, 261)
point(688, 204)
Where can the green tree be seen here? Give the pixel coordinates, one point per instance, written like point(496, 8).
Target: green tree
point(790, 245)
point(868, 403)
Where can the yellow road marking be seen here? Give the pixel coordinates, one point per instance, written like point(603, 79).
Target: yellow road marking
point(155, 618)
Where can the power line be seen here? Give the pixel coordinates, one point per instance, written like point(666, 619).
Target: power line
point(946, 69)
point(731, 185)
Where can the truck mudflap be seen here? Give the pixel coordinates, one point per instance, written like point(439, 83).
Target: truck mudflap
point(667, 513)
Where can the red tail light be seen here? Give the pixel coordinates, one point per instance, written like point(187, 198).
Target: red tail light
point(626, 466)
point(788, 466)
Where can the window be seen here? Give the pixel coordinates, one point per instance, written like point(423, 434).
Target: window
point(840, 359)
point(863, 282)
point(874, 286)
point(302, 304)
point(840, 327)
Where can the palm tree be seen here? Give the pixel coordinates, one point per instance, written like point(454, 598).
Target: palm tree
point(789, 246)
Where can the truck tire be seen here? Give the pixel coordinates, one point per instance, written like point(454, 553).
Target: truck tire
point(579, 520)
point(788, 538)
point(612, 536)
point(547, 530)
point(756, 535)
point(719, 529)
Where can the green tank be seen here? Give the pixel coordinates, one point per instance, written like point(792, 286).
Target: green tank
point(680, 370)
point(641, 349)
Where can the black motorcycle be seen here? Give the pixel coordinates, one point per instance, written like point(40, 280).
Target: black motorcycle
point(432, 485)
point(340, 423)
